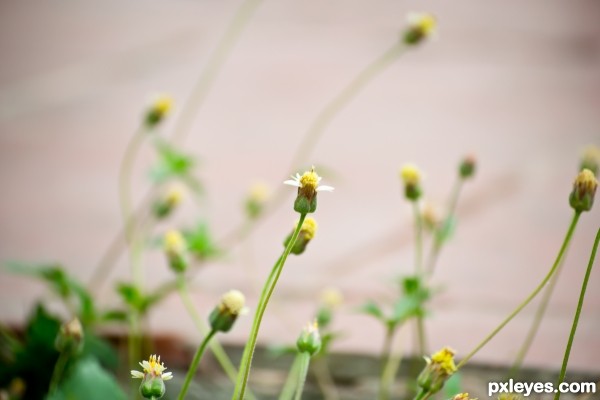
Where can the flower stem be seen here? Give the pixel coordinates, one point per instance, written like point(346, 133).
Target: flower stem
point(290, 383)
point(59, 369)
point(422, 395)
point(304, 361)
point(535, 292)
point(212, 68)
point(194, 365)
point(217, 350)
point(586, 279)
point(324, 379)
point(421, 345)
point(386, 378)
point(269, 287)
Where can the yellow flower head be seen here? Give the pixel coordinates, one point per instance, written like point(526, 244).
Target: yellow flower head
point(308, 184)
point(154, 368)
point(331, 297)
point(410, 174)
point(259, 192)
point(462, 396)
point(174, 195)
point(445, 359)
point(590, 159)
point(162, 105)
point(584, 190)
point(174, 242)
point(424, 23)
point(309, 228)
point(233, 303)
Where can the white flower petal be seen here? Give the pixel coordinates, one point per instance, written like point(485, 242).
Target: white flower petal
point(324, 188)
point(137, 374)
point(292, 183)
point(166, 376)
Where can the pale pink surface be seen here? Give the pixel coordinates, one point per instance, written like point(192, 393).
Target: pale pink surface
point(515, 83)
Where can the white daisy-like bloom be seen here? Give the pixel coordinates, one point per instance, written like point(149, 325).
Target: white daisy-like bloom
point(308, 182)
point(152, 367)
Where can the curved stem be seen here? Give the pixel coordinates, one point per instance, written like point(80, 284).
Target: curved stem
point(304, 362)
point(559, 257)
point(244, 373)
point(212, 68)
point(563, 370)
point(324, 379)
point(59, 369)
point(131, 151)
point(214, 346)
point(194, 365)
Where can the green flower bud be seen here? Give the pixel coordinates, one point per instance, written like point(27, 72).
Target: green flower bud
point(226, 312)
point(308, 186)
point(70, 337)
point(256, 200)
point(175, 246)
point(411, 176)
point(152, 387)
point(160, 107)
point(309, 340)
point(163, 207)
point(467, 167)
point(584, 190)
point(420, 27)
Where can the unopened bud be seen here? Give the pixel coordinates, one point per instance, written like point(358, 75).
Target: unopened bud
point(584, 190)
point(158, 110)
point(175, 247)
point(306, 234)
point(420, 27)
point(411, 176)
point(467, 167)
point(226, 312)
point(310, 339)
point(437, 371)
point(168, 202)
point(70, 336)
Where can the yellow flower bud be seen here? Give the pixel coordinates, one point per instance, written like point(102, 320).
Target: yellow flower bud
point(226, 312)
point(420, 27)
point(584, 190)
point(158, 110)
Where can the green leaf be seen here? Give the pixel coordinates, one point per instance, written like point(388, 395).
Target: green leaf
point(90, 382)
point(372, 309)
point(172, 163)
point(131, 295)
point(114, 315)
point(200, 242)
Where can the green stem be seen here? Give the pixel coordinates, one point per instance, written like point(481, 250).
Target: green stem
point(436, 245)
point(537, 320)
point(422, 395)
point(131, 151)
point(559, 257)
point(214, 346)
point(192, 370)
point(212, 68)
point(586, 279)
point(290, 383)
point(323, 377)
point(59, 369)
point(419, 272)
point(302, 372)
point(244, 373)
point(387, 377)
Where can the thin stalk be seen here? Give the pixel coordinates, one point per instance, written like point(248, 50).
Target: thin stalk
point(324, 379)
point(559, 257)
point(302, 372)
point(131, 151)
point(244, 373)
point(386, 377)
point(421, 345)
point(436, 245)
point(212, 68)
point(59, 369)
point(537, 320)
point(194, 365)
point(289, 387)
point(563, 370)
point(214, 346)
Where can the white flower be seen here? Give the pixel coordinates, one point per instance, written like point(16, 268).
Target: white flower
point(309, 180)
point(153, 367)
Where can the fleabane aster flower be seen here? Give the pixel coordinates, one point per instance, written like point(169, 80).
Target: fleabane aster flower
point(153, 377)
point(308, 186)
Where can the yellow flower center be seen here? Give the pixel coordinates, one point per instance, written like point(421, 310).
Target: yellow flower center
point(445, 359)
point(173, 242)
point(427, 24)
point(309, 180)
point(233, 302)
point(410, 174)
point(162, 105)
point(586, 181)
point(309, 228)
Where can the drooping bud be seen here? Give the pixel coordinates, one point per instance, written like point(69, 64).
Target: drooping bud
point(306, 234)
point(310, 339)
point(175, 248)
point(226, 312)
point(437, 371)
point(584, 190)
point(420, 27)
point(158, 110)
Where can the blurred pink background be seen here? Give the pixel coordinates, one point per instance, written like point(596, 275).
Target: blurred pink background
point(515, 83)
